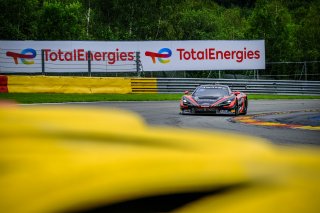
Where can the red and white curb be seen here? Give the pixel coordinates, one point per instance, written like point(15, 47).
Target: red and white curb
point(253, 120)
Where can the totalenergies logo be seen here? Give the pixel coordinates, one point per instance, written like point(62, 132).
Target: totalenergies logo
point(24, 56)
point(161, 54)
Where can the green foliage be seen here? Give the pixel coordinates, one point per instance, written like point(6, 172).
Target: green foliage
point(18, 19)
point(196, 24)
point(59, 21)
point(232, 25)
point(290, 28)
point(271, 21)
point(309, 32)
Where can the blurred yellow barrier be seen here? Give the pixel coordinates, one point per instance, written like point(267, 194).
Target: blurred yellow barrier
point(62, 159)
point(54, 84)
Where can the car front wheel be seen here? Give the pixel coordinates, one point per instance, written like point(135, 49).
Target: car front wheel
point(236, 109)
point(245, 107)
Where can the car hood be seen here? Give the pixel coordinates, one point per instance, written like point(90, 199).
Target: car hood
point(206, 100)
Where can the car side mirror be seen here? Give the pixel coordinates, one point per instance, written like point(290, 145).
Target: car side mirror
point(186, 92)
point(236, 93)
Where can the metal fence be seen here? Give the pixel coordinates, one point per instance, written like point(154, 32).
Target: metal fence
point(69, 63)
point(128, 64)
point(305, 70)
point(179, 85)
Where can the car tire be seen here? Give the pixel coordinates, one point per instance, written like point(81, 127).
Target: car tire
point(236, 109)
point(245, 107)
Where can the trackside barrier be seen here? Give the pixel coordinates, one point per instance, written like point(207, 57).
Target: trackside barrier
point(53, 84)
point(178, 85)
point(63, 159)
point(144, 85)
point(3, 84)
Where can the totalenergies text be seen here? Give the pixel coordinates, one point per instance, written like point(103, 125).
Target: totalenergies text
point(82, 55)
point(213, 54)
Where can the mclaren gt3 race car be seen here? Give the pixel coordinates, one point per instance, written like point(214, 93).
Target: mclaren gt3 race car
point(214, 99)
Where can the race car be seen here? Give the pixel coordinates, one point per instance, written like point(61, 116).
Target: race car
point(214, 99)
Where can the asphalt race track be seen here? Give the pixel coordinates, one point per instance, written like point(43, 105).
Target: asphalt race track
point(303, 112)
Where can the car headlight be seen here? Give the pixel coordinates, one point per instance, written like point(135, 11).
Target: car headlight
point(185, 101)
point(226, 102)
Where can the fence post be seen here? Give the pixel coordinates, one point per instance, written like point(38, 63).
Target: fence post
point(305, 71)
point(42, 62)
point(138, 64)
point(89, 63)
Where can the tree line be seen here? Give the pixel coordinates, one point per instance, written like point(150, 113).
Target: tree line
point(290, 28)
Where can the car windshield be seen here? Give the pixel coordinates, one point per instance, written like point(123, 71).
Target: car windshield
point(211, 92)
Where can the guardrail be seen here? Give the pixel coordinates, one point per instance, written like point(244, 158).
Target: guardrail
point(144, 85)
point(178, 85)
point(148, 85)
point(56, 84)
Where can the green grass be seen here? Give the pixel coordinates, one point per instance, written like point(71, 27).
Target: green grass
point(272, 97)
point(58, 98)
